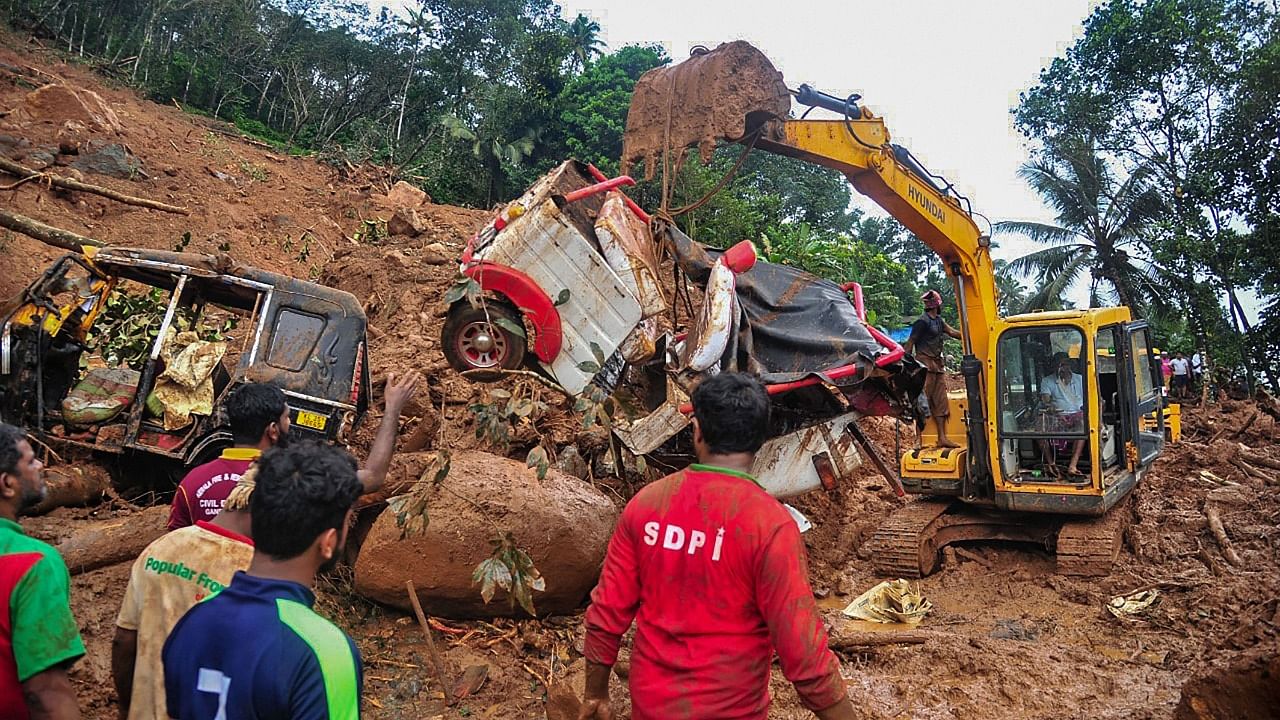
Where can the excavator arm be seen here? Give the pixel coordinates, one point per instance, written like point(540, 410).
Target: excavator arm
point(861, 151)
point(735, 93)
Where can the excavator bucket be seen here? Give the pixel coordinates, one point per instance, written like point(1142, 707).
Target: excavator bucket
point(714, 95)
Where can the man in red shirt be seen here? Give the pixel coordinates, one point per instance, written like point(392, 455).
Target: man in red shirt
point(713, 571)
point(259, 418)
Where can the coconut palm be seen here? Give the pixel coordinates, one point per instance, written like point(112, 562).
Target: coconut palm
point(584, 40)
point(1100, 228)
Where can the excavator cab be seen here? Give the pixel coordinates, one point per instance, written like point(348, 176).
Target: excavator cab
point(1070, 399)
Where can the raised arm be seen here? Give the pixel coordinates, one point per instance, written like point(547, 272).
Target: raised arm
point(398, 392)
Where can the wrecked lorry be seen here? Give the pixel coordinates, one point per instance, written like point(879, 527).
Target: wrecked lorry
point(569, 280)
point(86, 362)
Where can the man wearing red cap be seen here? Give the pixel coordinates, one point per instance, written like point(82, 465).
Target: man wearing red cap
point(927, 336)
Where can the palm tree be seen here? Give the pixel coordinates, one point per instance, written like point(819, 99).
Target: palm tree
point(1100, 228)
point(584, 40)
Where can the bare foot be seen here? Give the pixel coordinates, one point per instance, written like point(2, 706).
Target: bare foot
point(946, 443)
point(1073, 471)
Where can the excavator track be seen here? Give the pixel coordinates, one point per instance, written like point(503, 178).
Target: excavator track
point(903, 547)
point(1089, 547)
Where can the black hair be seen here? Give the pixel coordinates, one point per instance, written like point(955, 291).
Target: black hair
point(9, 454)
point(251, 408)
point(733, 412)
point(303, 490)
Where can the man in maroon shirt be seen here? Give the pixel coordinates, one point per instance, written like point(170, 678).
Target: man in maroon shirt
point(713, 571)
point(259, 418)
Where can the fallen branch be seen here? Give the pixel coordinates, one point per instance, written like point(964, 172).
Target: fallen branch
point(974, 557)
point(436, 660)
point(1220, 534)
point(1253, 458)
point(873, 639)
point(27, 173)
point(524, 373)
point(1246, 425)
point(47, 234)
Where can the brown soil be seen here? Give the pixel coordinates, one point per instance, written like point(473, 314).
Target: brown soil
point(699, 101)
point(1010, 641)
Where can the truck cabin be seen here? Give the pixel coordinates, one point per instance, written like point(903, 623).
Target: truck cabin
point(86, 348)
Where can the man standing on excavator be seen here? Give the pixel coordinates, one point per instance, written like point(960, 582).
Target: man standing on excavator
point(927, 336)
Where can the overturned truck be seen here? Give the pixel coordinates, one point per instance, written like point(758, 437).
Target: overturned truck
point(573, 283)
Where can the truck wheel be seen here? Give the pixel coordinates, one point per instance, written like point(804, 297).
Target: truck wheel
point(472, 341)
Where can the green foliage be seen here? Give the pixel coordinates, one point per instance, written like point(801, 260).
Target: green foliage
point(509, 568)
point(411, 509)
point(1185, 91)
point(129, 323)
point(499, 411)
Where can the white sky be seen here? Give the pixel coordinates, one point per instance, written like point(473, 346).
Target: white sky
point(942, 74)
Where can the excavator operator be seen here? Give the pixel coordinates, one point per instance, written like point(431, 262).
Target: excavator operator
point(927, 336)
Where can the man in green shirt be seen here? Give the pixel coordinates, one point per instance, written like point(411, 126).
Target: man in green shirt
point(39, 639)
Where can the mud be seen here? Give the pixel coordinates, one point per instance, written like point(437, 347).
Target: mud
point(699, 101)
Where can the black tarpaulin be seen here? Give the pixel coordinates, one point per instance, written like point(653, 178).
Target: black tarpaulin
point(794, 323)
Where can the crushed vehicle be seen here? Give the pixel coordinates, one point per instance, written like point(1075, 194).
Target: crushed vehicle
point(130, 352)
point(572, 282)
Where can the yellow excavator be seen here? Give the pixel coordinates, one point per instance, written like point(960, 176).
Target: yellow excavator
point(1038, 387)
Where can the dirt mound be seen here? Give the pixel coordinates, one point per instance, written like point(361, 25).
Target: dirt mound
point(698, 101)
point(58, 104)
point(563, 523)
point(1247, 690)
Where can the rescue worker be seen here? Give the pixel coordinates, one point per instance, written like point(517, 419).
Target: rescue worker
point(39, 638)
point(257, 649)
point(259, 418)
point(713, 571)
point(172, 574)
point(927, 336)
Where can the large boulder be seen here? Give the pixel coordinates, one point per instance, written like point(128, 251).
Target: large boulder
point(563, 523)
point(404, 201)
point(58, 103)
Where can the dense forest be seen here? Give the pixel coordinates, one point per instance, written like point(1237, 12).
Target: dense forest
point(1156, 139)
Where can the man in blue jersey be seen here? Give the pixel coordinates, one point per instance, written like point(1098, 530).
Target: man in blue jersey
point(256, 650)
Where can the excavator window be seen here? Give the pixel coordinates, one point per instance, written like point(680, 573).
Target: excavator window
point(1044, 402)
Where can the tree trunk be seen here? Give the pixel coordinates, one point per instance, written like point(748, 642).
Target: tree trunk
point(56, 237)
point(83, 485)
point(109, 542)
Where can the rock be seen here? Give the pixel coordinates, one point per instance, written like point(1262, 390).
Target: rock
point(60, 103)
point(563, 523)
point(437, 254)
point(113, 160)
point(570, 461)
point(403, 201)
point(13, 147)
point(72, 136)
point(39, 159)
point(171, 171)
point(402, 195)
point(406, 221)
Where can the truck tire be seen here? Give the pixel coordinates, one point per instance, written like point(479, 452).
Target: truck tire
point(473, 341)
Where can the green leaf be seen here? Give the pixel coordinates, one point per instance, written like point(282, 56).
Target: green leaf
point(537, 456)
point(598, 354)
point(562, 298)
point(587, 366)
point(510, 326)
point(456, 292)
point(500, 394)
